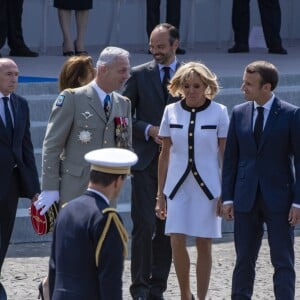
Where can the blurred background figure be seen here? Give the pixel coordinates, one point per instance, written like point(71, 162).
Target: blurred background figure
point(76, 71)
point(11, 28)
point(64, 8)
point(270, 14)
point(172, 16)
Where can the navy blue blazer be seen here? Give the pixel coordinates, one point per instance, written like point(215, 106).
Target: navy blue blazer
point(73, 273)
point(144, 89)
point(271, 164)
point(19, 153)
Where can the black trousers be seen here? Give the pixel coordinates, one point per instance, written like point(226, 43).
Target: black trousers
point(151, 253)
point(270, 14)
point(153, 14)
point(11, 24)
point(8, 209)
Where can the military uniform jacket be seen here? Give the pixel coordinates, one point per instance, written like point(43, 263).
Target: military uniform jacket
point(74, 273)
point(76, 126)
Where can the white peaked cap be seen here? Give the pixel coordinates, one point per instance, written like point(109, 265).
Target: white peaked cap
point(111, 160)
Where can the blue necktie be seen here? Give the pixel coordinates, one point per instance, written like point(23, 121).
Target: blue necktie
point(259, 124)
point(107, 106)
point(8, 119)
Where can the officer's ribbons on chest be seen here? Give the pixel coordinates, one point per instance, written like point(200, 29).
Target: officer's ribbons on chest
point(121, 132)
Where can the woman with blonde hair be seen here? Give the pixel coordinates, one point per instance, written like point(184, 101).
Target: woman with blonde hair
point(193, 133)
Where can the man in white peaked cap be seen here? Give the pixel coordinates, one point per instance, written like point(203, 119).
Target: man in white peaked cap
point(89, 239)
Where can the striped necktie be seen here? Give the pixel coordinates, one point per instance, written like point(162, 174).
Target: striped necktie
point(107, 105)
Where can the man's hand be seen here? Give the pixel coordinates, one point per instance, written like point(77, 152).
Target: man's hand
point(153, 132)
point(228, 212)
point(294, 216)
point(45, 200)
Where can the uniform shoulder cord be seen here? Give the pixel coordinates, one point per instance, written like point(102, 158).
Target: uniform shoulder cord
point(112, 216)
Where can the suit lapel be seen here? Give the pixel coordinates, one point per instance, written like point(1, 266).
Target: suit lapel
point(248, 118)
point(114, 110)
point(16, 112)
point(155, 79)
point(274, 113)
point(94, 102)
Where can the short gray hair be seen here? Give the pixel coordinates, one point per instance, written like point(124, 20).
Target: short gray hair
point(110, 54)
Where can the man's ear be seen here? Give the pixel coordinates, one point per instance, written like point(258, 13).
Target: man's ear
point(175, 45)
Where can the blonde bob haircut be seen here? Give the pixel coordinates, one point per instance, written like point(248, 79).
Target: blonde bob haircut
point(188, 71)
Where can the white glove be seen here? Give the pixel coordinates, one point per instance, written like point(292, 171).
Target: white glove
point(45, 200)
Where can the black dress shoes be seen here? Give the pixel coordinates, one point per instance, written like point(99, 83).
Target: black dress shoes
point(24, 52)
point(280, 50)
point(180, 51)
point(239, 49)
point(3, 295)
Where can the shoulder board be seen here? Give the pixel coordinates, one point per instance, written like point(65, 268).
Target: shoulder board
point(70, 90)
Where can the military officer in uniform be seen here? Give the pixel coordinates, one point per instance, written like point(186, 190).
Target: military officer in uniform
point(89, 247)
point(83, 119)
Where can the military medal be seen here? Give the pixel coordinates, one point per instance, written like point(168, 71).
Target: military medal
point(85, 136)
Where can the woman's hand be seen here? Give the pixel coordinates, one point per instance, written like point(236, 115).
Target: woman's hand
point(219, 210)
point(161, 207)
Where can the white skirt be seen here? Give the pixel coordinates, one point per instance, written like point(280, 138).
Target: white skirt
point(191, 213)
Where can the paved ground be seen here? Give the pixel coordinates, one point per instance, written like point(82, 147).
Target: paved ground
point(26, 265)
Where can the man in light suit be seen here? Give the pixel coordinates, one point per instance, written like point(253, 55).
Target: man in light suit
point(78, 124)
point(259, 184)
point(150, 258)
point(19, 177)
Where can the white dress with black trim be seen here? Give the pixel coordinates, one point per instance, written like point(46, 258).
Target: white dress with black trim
point(193, 179)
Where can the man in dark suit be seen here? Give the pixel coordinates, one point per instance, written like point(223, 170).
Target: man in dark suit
point(150, 256)
point(270, 14)
point(89, 239)
point(172, 16)
point(260, 181)
point(18, 172)
point(11, 28)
